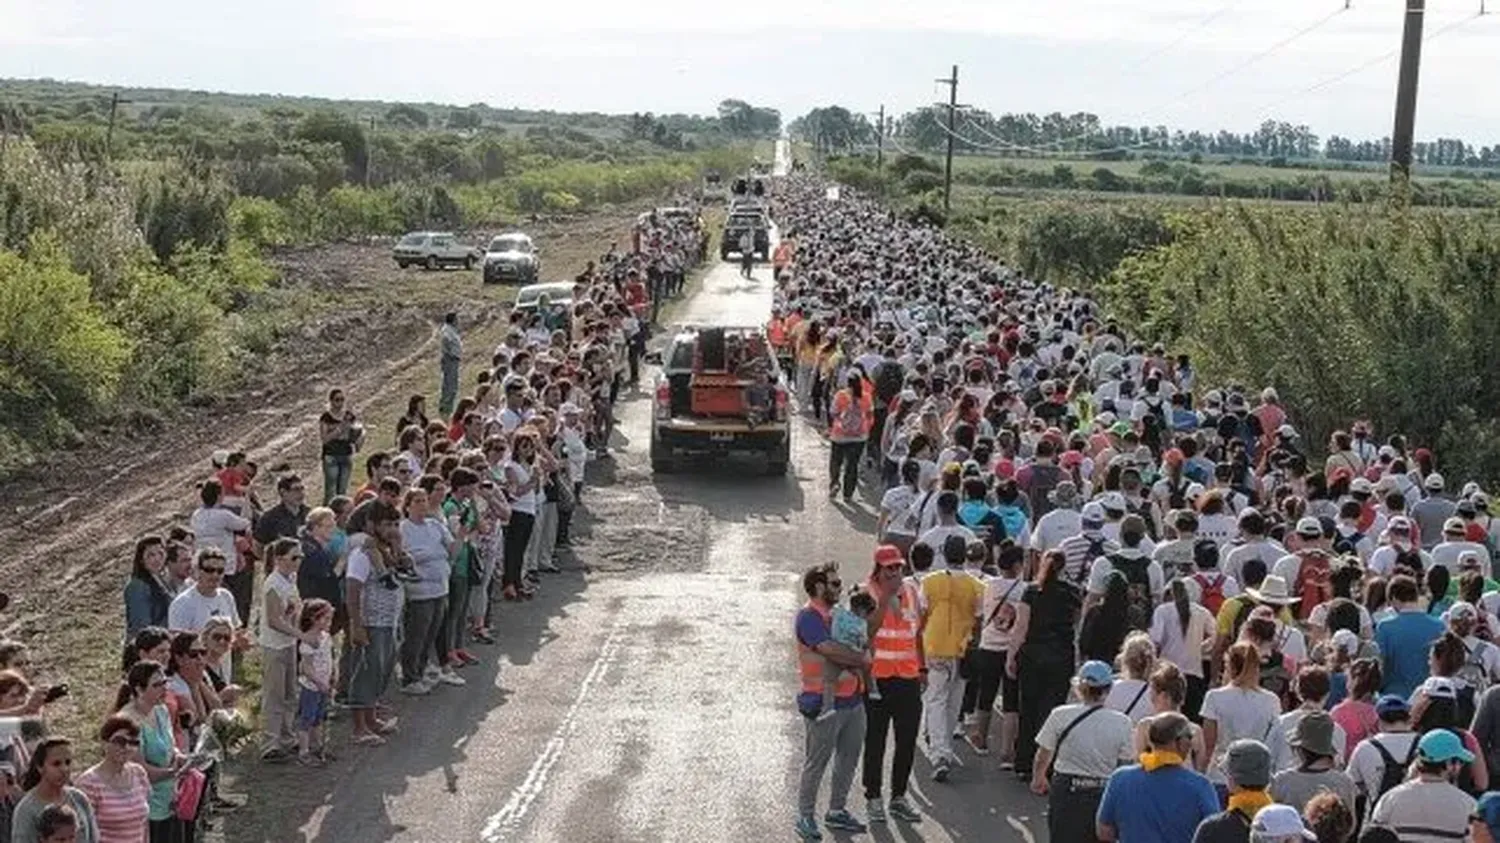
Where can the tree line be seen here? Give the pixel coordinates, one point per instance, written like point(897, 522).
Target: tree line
point(837, 129)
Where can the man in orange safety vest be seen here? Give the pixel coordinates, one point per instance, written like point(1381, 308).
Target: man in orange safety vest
point(900, 674)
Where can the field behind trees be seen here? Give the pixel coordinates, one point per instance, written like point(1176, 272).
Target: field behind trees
point(133, 256)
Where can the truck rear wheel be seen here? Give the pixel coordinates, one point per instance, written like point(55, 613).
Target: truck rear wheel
point(776, 467)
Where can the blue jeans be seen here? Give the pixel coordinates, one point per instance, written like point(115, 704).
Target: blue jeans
point(336, 471)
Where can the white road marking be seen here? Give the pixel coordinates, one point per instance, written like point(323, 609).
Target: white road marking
point(1020, 828)
point(505, 821)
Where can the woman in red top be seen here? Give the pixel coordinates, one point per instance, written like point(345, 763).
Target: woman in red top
point(118, 787)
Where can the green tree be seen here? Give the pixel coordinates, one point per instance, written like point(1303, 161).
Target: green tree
point(336, 128)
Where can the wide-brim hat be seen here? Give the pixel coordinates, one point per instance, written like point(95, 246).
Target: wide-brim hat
point(1273, 591)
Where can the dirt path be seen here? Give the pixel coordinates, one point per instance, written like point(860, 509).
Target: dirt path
point(368, 327)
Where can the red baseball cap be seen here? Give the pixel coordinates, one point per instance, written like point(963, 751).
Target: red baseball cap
point(888, 555)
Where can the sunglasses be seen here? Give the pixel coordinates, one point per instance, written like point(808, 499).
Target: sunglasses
point(835, 583)
point(121, 741)
point(211, 570)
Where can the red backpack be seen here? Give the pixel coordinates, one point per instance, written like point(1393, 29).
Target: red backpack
point(1211, 591)
point(1313, 583)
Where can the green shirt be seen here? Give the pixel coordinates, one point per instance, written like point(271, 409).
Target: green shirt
point(468, 516)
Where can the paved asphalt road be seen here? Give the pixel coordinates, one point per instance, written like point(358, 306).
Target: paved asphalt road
point(646, 695)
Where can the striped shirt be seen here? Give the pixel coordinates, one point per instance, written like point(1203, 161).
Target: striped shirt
point(1080, 551)
point(120, 813)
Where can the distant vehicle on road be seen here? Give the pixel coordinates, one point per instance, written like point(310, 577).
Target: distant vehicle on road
point(720, 391)
point(434, 250)
point(529, 297)
point(512, 257)
point(739, 221)
point(714, 189)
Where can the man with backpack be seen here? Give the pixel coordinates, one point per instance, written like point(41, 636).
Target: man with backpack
point(1171, 492)
point(1039, 478)
point(1348, 538)
point(1080, 551)
point(1481, 666)
point(1379, 762)
point(1430, 806)
point(1143, 576)
point(1309, 567)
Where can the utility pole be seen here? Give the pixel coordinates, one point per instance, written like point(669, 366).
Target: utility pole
point(880, 139)
point(109, 134)
point(1406, 93)
point(952, 83)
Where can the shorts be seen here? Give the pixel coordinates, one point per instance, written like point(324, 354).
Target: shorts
point(312, 708)
point(371, 667)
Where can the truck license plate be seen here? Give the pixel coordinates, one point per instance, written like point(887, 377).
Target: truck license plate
point(721, 437)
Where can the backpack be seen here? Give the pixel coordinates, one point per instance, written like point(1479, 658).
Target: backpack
point(889, 378)
point(1139, 601)
point(1211, 592)
point(1159, 410)
point(1177, 495)
point(1013, 518)
point(1274, 673)
point(1313, 584)
point(1348, 545)
point(1393, 773)
point(986, 524)
point(1472, 672)
point(1044, 478)
point(1096, 550)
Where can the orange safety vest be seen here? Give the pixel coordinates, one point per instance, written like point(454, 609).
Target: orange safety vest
point(810, 664)
point(776, 333)
point(896, 641)
point(783, 255)
point(839, 431)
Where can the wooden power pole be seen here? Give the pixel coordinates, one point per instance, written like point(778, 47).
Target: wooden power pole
point(1406, 93)
point(952, 83)
point(880, 139)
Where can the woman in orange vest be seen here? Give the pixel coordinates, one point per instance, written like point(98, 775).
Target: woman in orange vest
point(850, 419)
point(899, 671)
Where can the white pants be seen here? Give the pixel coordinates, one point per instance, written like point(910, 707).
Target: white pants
point(940, 705)
point(543, 538)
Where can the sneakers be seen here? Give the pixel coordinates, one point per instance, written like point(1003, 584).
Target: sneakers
point(875, 810)
point(844, 821)
point(902, 810)
point(940, 770)
point(419, 688)
point(448, 677)
point(807, 829)
point(549, 568)
point(463, 658)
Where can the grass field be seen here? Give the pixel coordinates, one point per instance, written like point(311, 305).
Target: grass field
point(1226, 170)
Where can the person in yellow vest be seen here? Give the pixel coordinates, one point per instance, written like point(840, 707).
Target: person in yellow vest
point(899, 673)
point(840, 737)
point(850, 419)
point(951, 603)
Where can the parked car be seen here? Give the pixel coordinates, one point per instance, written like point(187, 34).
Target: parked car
point(714, 189)
point(557, 292)
point(434, 250)
point(512, 257)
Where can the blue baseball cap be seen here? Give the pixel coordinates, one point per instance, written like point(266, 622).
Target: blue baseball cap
point(1095, 674)
point(1487, 811)
point(1391, 704)
point(1441, 745)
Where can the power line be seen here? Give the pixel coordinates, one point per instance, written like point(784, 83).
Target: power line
point(1186, 34)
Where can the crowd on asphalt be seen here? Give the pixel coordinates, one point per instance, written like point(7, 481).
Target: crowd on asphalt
point(1148, 596)
point(393, 582)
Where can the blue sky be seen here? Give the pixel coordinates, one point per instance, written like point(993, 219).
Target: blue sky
point(1130, 61)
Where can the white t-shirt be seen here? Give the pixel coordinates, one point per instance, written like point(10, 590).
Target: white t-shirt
point(1130, 697)
point(937, 535)
point(321, 658)
point(995, 635)
point(428, 543)
point(1447, 553)
point(896, 503)
point(527, 501)
point(512, 419)
point(1184, 650)
point(1367, 767)
point(1051, 529)
point(190, 610)
point(1233, 562)
point(1220, 528)
point(1383, 559)
point(284, 588)
point(1095, 747)
point(216, 528)
point(1438, 808)
point(1318, 617)
point(1244, 713)
point(1485, 654)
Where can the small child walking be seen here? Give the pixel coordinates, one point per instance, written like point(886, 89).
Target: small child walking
point(851, 628)
point(315, 678)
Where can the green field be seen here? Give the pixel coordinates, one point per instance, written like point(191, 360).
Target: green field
point(1225, 169)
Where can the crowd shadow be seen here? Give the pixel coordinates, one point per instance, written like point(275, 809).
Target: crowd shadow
point(732, 489)
point(351, 798)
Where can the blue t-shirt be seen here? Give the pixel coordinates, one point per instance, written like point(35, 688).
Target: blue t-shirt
point(850, 629)
point(1164, 806)
point(812, 630)
point(1403, 642)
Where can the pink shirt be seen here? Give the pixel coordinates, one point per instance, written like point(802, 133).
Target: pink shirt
point(1358, 719)
point(121, 814)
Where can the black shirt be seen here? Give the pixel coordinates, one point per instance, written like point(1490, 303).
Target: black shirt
point(342, 447)
point(1054, 613)
point(1225, 827)
point(278, 522)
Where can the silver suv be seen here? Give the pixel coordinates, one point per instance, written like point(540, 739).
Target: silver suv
point(512, 257)
point(434, 250)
